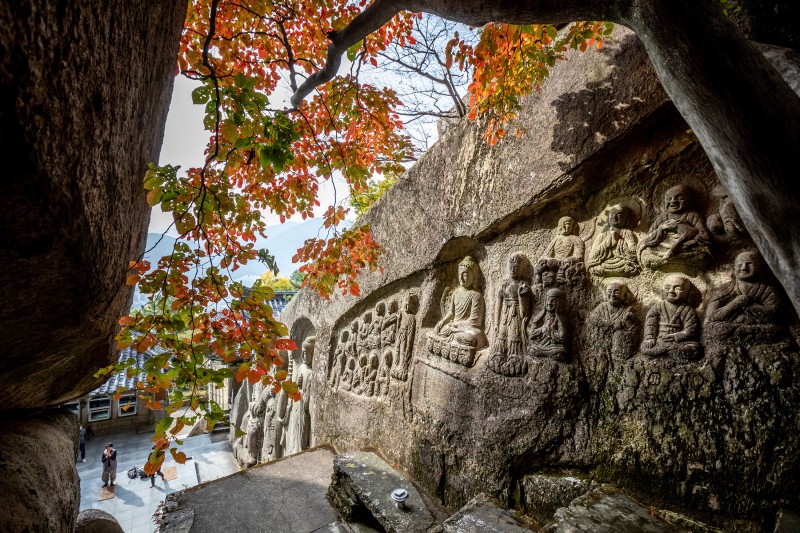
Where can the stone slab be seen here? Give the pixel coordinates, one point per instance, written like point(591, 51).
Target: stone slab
point(787, 522)
point(605, 510)
point(482, 515)
point(287, 495)
point(97, 521)
point(364, 478)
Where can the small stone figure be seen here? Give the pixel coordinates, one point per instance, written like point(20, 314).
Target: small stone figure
point(564, 254)
point(547, 338)
point(363, 333)
point(405, 338)
point(672, 326)
point(389, 327)
point(270, 427)
point(744, 310)
point(512, 312)
point(459, 334)
point(678, 235)
point(376, 327)
point(612, 322)
point(339, 359)
point(297, 422)
point(371, 374)
point(613, 251)
point(725, 221)
point(384, 375)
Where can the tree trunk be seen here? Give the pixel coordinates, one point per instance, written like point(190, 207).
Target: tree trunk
point(744, 114)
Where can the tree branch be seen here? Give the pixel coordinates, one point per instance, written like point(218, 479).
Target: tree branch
point(371, 19)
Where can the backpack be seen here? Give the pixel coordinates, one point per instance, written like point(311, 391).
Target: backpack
point(133, 472)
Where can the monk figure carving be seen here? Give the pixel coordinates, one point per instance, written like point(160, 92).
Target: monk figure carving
point(548, 334)
point(613, 251)
point(672, 327)
point(677, 236)
point(564, 254)
point(745, 310)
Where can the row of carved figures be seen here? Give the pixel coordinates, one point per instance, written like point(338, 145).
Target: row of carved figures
point(679, 237)
point(274, 425)
point(745, 310)
point(376, 350)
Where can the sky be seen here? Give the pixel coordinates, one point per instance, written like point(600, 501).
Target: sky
point(184, 143)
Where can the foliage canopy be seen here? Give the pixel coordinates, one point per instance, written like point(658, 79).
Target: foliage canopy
point(263, 155)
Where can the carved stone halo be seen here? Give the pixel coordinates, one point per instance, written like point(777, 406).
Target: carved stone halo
point(631, 203)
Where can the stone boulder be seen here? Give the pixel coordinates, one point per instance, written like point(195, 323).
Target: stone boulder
point(85, 92)
point(40, 485)
point(97, 521)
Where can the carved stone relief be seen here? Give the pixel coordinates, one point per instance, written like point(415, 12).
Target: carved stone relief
point(563, 258)
point(613, 251)
point(549, 329)
point(297, 420)
point(678, 236)
point(672, 327)
point(746, 309)
point(512, 311)
point(612, 335)
point(724, 223)
point(459, 334)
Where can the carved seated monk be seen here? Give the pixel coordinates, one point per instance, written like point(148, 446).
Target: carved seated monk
point(672, 327)
point(547, 338)
point(744, 310)
point(613, 251)
point(678, 235)
point(462, 323)
point(564, 254)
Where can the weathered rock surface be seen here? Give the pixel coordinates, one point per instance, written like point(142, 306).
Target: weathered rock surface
point(361, 487)
point(606, 511)
point(585, 332)
point(482, 515)
point(39, 488)
point(97, 521)
point(85, 88)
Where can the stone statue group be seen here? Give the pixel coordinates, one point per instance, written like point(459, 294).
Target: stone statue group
point(744, 310)
point(376, 350)
point(273, 425)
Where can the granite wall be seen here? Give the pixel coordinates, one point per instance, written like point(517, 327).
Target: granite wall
point(581, 298)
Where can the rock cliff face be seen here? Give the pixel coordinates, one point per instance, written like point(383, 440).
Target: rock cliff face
point(584, 298)
point(84, 92)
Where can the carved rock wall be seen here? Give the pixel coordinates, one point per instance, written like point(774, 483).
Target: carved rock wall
point(84, 93)
point(628, 339)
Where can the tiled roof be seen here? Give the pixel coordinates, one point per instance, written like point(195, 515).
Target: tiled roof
point(280, 301)
point(121, 379)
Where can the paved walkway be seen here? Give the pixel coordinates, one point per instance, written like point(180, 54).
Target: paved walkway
point(135, 502)
point(283, 496)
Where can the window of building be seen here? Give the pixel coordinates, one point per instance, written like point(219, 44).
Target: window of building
point(75, 407)
point(127, 405)
point(99, 408)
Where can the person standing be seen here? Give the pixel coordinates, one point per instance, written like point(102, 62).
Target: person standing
point(153, 476)
point(109, 465)
point(82, 432)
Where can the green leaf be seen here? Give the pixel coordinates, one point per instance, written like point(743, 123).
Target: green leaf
point(201, 95)
point(163, 425)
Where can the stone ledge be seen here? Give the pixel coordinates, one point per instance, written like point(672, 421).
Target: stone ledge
point(361, 487)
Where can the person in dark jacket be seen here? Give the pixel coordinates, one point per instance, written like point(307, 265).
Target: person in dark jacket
point(109, 465)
